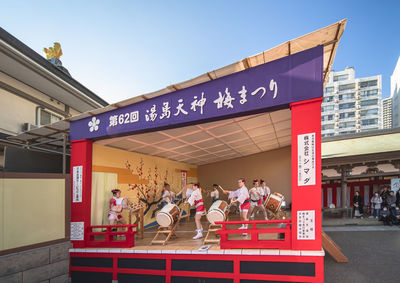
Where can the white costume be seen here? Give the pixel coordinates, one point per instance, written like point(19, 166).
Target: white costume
point(242, 196)
point(255, 196)
point(116, 206)
point(168, 196)
point(214, 195)
point(267, 192)
point(196, 199)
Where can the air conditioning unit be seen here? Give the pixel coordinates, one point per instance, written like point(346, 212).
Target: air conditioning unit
point(28, 126)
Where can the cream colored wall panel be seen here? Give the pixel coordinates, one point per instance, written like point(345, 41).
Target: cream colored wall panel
point(33, 211)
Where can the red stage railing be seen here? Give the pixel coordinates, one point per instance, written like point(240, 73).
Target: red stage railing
point(110, 238)
point(254, 242)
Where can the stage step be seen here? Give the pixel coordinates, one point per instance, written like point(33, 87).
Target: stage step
point(333, 249)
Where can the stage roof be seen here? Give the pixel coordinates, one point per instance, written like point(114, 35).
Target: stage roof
point(212, 142)
point(239, 136)
point(361, 148)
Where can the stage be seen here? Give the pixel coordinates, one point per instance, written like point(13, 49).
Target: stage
point(257, 118)
point(181, 260)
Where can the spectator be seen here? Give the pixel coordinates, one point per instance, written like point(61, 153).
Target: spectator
point(391, 202)
point(376, 203)
point(398, 214)
point(398, 198)
point(388, 218)
point(384, 195)
point(358, 204)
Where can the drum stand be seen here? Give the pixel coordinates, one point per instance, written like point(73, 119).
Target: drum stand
point(187, 215)
point(138, 213)
point(166, 231)
point(212, 229)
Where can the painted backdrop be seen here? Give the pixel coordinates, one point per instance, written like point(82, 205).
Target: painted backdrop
point(140, 177)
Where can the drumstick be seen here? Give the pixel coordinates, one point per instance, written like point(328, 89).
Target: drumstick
point(219, 186)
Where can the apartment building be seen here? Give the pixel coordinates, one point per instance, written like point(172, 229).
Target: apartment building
point(395, 95)
point(387, 112)
point(351, 105)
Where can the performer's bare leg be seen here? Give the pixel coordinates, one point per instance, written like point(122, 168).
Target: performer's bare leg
point(244, 217)
point(251, 210)
point(264, 211)
point(197, 219)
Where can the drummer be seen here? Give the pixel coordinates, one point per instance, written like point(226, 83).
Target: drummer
point(256, 196)
point(265, 189)
point(167, 195)
point(117, 204)
point(196, 199)
point(242, 197)
point(214, 194)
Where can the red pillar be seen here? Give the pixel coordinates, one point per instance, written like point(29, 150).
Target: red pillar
point(81, 190)
point(306, 176)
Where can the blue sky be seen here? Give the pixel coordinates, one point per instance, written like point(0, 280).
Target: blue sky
point(120, 49)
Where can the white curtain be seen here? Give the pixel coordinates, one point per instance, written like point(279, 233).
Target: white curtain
point(102, 184)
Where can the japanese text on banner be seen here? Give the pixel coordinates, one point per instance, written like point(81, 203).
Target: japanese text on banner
point(306, 159)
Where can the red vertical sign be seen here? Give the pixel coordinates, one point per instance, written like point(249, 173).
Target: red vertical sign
point(81, 187)
point(306, 174)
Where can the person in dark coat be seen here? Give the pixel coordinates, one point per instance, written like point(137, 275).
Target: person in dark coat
point(358, 203)
point(384, 195)
point(391, 202)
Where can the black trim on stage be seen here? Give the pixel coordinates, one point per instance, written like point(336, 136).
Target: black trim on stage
point(127, 278)
point(278, 268)
point(179, 279)
point(92, 261)
point(225, 266)
point(142, 263)
point(259, 281)
point(85, 277)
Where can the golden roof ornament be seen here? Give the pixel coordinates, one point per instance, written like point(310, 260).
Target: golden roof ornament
point(53, 52)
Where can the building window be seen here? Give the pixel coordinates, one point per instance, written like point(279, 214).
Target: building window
point(369, 112)
point(347, 124)
point(327, 118)
point(347, 115)
point(328, 127)
point(368, 122)
point(328, 135)
point(369, 129)
point(340, 78)
point(347, 96)
point(347, 105)
point(347, 132)
point(369, 102)
point(329, 89)
point(328, 99)
point(47, 118)
point(346, 87)
point(327, 108)
point(368, 84)
point(368, 93)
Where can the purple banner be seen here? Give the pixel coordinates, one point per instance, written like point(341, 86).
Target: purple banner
point(270, 86)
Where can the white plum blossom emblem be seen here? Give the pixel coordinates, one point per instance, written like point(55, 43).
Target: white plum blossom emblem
point(94, 124)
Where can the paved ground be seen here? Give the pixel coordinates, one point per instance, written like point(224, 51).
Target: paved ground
point(350, 221)
point(373, 252)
